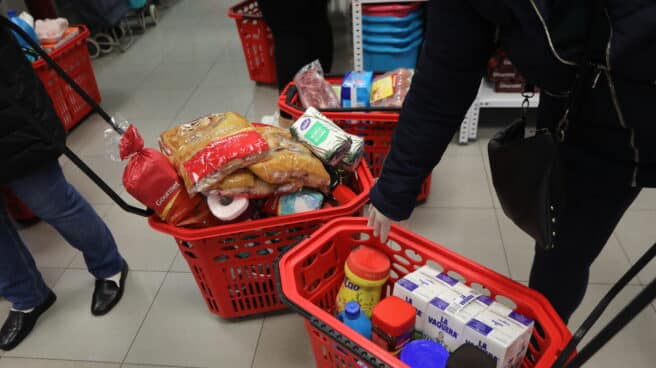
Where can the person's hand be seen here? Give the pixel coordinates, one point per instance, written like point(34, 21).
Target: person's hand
point(380, 223)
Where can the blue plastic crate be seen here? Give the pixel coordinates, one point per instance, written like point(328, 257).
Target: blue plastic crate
point(384, 58)
point(369, 20)
point(391, 29)
point(396, 41)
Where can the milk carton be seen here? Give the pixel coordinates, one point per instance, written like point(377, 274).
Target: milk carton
point(504, 336)
point(449, 311)
point(419, 288)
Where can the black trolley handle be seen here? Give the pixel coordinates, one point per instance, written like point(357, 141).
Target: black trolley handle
point(619, 321)
point(6, 23)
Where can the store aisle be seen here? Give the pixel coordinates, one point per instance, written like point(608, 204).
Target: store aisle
point(190, 65)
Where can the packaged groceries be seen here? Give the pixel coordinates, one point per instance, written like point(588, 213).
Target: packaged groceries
point(325, 139)
point(356, 89)
point(227, 208)
point(207, 150)
point(243, 183)
point(150, 178)
point(390, 89)
point(303, 201)
point(313, 89)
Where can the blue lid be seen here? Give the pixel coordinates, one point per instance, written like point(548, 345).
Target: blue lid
point(352, 310)
point(11, 13)
point(424, 354)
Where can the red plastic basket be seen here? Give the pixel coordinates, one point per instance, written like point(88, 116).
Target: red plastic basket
point(375, 126)
point(74, 58)
point(233, 264)
point(256, 40)
point(310, 276)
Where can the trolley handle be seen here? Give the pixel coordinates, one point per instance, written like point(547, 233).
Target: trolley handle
point(63, 148)
point(291, 91)
point(344, 341)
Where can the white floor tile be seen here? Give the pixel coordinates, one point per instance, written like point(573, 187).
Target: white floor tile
point(488, 175)
point(227, 73)
point(148, 366)
point(88, 134)
point(180, 264)
point(608, 268)
point(142, 247)
point(459, 181)
point(206, 101)
point(631, 347)
point(179, 330)
point(46, 363)
point(284, 343)
point(111, 172)
point(265, 102)
point(48, 248)
point(69, 331)
point(473, 233)
point(176, 76)
point(154, 104)
point(646, 200)
point(123, 76)
point(637, 233)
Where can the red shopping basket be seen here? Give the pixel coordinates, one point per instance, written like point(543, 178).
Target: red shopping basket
point(375, 126)
point(311, 273)
point(74, 58)
point(256, 40)
point(233, 264)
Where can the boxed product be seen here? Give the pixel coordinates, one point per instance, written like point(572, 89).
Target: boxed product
point(449, 311)
point(356, 89)
point(503, 336)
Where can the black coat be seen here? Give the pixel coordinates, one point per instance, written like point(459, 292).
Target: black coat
point(23, 147)
point(545, 39)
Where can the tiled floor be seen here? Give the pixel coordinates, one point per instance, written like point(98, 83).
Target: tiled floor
point(192, 64)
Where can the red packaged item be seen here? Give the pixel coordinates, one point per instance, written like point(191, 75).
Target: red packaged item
point(393, 322)
point(150, 177)
point(313, 89)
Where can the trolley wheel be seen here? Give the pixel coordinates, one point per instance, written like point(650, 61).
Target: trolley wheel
point(154, 13)
point(94, 48)
point(105, 43)
point(126, 37)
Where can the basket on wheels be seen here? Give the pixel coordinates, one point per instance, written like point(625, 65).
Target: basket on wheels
point(375, 125)
point(256, 40)
point(310, 276)
point(233, 264)
point(73, 57)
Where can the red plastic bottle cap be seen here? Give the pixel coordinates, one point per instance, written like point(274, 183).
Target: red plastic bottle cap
point(369, 263)
point(394, 316)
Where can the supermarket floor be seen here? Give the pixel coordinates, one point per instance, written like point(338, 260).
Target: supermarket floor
point(192, 64)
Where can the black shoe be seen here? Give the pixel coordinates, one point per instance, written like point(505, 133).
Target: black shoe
point(107, 294)
point(19, 324)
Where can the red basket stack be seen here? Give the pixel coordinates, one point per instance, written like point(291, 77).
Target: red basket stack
point(74, 58)
point(256, 40)
point(310, 276)
point(233, 264)
point(375, 126)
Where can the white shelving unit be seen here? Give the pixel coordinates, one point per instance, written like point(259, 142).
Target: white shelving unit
point(486, 98)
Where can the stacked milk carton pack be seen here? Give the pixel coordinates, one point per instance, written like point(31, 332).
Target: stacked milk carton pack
point(452, 313)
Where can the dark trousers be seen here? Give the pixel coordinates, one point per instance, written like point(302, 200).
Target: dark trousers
point(595, 203)
point(301, 32)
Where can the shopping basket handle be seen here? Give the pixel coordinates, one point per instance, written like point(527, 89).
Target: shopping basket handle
point(5, 22)
point(621, 320)
point(65, 150)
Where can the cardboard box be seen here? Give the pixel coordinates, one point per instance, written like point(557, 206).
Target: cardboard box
point(418, 289)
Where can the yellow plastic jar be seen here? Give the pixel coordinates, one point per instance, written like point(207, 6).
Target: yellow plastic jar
point(366, 271)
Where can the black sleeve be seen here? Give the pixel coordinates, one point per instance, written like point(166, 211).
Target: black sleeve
point(457, 45)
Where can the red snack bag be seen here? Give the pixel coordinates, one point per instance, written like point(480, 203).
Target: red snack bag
point(150, 177)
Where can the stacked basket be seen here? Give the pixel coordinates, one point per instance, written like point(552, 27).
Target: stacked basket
point(391, 35)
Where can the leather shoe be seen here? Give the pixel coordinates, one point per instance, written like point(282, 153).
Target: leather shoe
point(107, 294)
point(19, 324)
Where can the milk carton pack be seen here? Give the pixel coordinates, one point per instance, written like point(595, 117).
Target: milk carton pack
point(501, 333)
point(419, 288)
point(449, 311)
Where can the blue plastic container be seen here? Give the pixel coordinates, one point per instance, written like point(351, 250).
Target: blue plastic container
point(137, 4)
point(11, 14)
point(424, 354)
point(383, 58)
point(392, 30)
point(369, 20)
point(386, 40)
point(353, 317)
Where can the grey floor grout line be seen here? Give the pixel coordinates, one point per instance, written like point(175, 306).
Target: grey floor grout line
point(60, 360)
point(257, 344)
point(626, 255)
point(150, 307)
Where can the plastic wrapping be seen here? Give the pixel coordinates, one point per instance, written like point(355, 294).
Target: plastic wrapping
point(355, 153)
point(113, 138)
point(152, 180)
point(356, 89)
point(390, 89)
point(207, 150)
point(303, 201)
point(290, 162)
point(244, 183)
point(313, 89)
point(325, 139)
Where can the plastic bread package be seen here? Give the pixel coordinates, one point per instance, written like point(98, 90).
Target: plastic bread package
point(243, 183)
point(325, 139)
point(290, 161)
point(207, 150)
